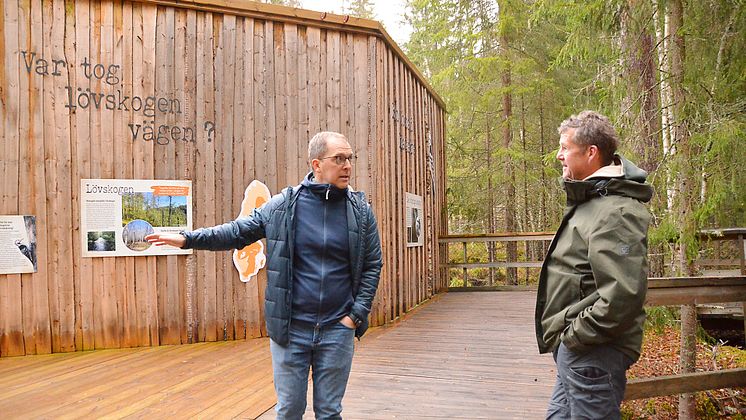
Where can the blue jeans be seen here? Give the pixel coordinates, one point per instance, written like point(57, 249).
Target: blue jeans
point(327, 351)
point(589, 385)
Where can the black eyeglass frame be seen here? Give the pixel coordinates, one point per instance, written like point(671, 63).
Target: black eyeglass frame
point(341, 160)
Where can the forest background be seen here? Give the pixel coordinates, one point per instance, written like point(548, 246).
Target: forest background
point(670, 75)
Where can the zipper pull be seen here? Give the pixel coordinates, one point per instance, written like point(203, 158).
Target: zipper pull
point(327, 192)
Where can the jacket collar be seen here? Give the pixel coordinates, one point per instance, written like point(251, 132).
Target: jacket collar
point(611, 171)
point(621, 178)
point(323, 191)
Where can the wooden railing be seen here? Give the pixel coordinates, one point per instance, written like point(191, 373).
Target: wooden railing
point(667, 291)
point(662, 291)
point(464, 258)
point(492, 262)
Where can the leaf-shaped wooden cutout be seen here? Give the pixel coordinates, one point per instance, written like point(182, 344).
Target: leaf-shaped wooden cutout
point(249, 260)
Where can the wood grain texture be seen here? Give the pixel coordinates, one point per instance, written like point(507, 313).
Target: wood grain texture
point(460, 356)
point(11, 314)
point(685, 382)
point(167, 381)
point(263, 86)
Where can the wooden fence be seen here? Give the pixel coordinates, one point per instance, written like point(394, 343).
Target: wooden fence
point(219, 93)
point(530, 256)
point(690, 291)
point(662, 291)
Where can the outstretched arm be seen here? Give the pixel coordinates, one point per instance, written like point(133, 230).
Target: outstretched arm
point(235, 234)
point(159, 239)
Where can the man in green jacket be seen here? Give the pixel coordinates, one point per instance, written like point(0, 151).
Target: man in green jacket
point(589, 307)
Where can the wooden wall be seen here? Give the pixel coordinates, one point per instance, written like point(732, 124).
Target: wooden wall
point(253, 83)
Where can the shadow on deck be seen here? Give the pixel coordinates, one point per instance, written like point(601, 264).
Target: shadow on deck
point(465, 355)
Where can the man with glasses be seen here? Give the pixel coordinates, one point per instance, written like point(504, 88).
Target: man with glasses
point(324, 261)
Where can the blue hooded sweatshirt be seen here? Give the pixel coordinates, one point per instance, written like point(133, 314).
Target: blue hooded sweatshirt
point(322, 279)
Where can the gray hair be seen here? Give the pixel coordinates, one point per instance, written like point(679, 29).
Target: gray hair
point(592, 128)
point(317, 145)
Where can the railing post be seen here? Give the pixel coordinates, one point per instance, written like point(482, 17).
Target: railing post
point(528, 256)
point(491, 256)
point(466, 261)
point(742, 251)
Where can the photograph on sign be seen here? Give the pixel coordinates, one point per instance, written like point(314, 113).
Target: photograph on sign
point(117, 215)
point(414, 220)
point(17, 244)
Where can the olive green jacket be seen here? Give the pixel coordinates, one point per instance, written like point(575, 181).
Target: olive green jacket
point(594, 278)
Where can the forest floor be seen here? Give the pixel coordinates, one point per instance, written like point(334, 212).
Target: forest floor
point(660, 356)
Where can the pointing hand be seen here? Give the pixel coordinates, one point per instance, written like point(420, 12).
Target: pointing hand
point(159, 239)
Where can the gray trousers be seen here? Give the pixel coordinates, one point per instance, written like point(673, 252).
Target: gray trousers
point(589, 385)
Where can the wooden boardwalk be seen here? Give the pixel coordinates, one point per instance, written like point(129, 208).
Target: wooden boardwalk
point(465, 355)
point(207, 380)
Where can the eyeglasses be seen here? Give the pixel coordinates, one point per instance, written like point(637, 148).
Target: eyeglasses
point(341, 160)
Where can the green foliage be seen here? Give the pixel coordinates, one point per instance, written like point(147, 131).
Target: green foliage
point(654, 408)
point(360, 8)
point(457, 44)
point(666, 232)
point(704, 337)
point(564, 56)
point(158, 211)
point(706, 410)
point(660, 317)
point(290, 3)
point(587, 27)
point(733, 353)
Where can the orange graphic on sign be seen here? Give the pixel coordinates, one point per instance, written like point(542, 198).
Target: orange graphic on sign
point(172, 190)
point(251, 258)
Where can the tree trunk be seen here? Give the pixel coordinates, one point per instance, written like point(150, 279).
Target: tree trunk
point(544, 221)
point(170, 209)
point(686, 195)
point(711, 103)
point(491, 196)
point(642, 100)
point(509, 200)
point(511, 247)
point(664, 43)
point(527, 244)
point(648, 121)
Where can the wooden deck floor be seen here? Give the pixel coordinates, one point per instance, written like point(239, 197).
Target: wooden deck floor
point(205, 380)
point(466, 355)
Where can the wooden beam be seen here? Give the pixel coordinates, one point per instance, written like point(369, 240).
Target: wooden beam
point(721, 234)
point(684, 383)
point(508, 288)
point(498, 237)
point(694, 296)
point(703, 281)
point(497, 264)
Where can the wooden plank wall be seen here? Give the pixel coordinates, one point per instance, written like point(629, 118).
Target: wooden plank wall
point(252, 91)
point(407, 115)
